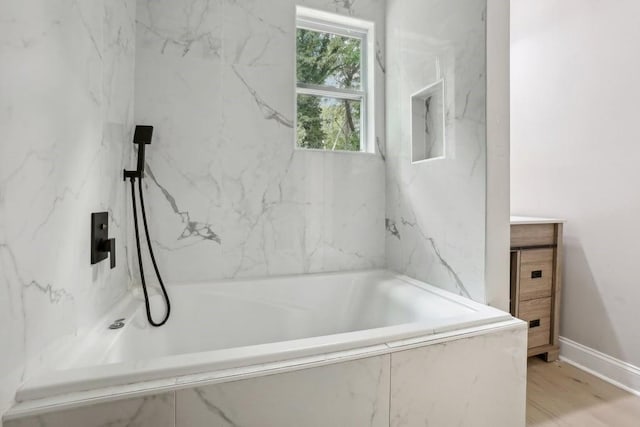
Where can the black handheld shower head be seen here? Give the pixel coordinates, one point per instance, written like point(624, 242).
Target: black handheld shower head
point(141, 137)
point(143, 134)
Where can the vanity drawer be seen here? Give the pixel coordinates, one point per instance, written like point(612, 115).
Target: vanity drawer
point(533, 235)
point(537, 313)
point(536, 273)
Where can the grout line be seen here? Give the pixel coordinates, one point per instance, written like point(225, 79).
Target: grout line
point(175, 408)
point(389, 395)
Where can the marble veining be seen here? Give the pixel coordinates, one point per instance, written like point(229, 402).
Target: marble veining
point(269, 112)
point(215, 410)
point(155, 410)
point(356, 392)
point(192, 228)
point(491, 391)
point(195, 27)
point(432, 243)
point(54, 295)
point(392, 228)
point(380, 58)
point(381, 149)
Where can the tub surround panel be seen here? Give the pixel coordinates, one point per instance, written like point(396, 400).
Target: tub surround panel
point(227, 193)
point(66, 113)
point(431, 378)
point(489, 391)
point(151, 411)
point(253, 322)
point(352, 393)
point(76, 400)
point(436, 208)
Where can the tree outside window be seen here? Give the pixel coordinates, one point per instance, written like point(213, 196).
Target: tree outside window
point(330, 94)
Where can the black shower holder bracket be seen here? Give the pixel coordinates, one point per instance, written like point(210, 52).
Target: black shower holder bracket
point(141, 137)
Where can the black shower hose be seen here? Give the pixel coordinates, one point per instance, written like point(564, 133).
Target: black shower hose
point(153, 258)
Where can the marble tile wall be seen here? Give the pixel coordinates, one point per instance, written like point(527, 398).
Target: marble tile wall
point(479, 381)
point(151, 411)
point(352, 393)
point(435, 216)
point(228, 195)
point(66, 112)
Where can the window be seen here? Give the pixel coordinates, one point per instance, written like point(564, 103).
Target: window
point(334, 74)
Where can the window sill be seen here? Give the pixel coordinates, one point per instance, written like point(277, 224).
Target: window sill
point(317, 150)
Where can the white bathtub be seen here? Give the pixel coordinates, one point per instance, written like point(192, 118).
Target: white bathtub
point(232, 324)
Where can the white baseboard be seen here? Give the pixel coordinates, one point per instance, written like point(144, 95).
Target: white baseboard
point(612, 370)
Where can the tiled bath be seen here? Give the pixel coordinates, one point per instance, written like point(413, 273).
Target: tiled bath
point(474, 378)
point(231, 197)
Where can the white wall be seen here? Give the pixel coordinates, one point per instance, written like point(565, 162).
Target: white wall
point(575, 153)
point(66, 110)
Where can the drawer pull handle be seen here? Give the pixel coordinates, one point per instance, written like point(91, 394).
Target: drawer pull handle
point(536, 274)
point(534, 323)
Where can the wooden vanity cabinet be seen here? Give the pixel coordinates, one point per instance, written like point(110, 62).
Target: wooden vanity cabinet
point(536, 250)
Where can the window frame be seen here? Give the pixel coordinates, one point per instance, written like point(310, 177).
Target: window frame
point(345, 26)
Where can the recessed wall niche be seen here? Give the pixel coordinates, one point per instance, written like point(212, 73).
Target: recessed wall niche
point(427, 123)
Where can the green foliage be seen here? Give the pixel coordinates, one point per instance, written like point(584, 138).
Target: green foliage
point(310, 129)
point(330, 60)
point(341, 124)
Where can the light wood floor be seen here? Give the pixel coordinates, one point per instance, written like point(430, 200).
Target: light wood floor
point(559, 394)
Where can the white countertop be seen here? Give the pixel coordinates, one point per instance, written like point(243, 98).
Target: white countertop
point(535, 220)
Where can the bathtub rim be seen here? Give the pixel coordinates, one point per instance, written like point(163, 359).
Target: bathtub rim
point(156, 387)
point(51, 384)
